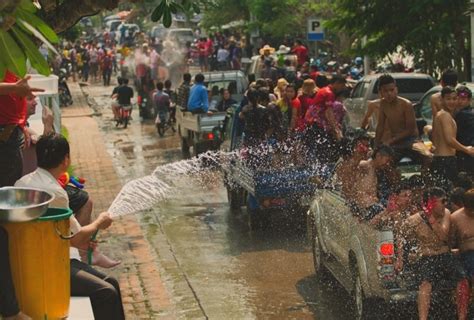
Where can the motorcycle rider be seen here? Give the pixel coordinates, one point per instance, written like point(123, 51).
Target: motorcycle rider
point(124, 94)
point(161, 103)
point(115, 102)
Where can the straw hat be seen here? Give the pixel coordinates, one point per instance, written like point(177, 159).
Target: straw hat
point(266, 48)
point(283, 49)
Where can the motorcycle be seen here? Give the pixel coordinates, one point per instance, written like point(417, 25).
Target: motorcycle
point(163, 122)
point(125, 112)
point(65, 97)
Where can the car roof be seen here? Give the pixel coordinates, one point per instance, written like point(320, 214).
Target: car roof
point(180, 29)
point(400, 75)
point(224, 75)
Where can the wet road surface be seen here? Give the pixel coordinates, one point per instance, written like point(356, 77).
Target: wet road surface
point(213, 265)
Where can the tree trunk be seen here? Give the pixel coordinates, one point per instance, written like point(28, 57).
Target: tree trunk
point(69, 12)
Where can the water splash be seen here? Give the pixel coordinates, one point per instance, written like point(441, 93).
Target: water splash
point(143, 193)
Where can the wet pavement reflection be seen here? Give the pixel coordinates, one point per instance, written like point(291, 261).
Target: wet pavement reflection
point(213, 265)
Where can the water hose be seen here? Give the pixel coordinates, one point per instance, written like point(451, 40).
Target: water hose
point(90, 251)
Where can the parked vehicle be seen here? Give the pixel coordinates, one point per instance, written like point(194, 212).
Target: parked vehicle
point(65, 97)
point(265, 191)
point(180, 35)
point(199, 131)
point(411, 86)
point(357, 254)
point(423, 107)
point(125, 112)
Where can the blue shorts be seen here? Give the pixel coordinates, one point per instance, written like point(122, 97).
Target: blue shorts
point(467, 259)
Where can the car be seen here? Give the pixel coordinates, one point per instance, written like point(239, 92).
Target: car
point(113, 24)
point(180, 35)
point(411, 86)
point(423, 107)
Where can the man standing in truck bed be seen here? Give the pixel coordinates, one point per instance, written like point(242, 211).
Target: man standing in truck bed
point(397, 122)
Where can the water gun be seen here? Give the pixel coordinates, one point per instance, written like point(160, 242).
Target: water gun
point(65, 179)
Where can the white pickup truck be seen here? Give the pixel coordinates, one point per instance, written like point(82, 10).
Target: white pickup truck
point(202, 131)
point(357, 254)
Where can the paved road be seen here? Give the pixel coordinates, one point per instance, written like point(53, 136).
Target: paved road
point(212, 264)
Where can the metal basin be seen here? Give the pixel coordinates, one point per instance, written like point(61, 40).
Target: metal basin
point(23, 204)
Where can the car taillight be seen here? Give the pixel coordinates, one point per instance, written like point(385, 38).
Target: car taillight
point(139, 99)
point(210, 136)
point(387, 249)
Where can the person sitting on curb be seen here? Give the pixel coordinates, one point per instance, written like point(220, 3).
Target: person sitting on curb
point(53, 157)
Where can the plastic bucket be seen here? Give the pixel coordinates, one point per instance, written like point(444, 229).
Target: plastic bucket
point(39, 259)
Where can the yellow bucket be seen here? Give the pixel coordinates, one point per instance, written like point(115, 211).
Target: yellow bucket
point(39, 259)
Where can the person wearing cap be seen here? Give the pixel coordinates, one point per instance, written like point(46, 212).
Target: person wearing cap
point(464, 118)
point(279, 90)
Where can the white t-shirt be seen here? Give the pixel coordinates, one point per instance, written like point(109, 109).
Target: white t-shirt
point(42, 179)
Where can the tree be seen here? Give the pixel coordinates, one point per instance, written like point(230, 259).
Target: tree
point(435, 32)
point(20, 26)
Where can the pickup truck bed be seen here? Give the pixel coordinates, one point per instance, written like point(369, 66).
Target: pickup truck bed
point(199, 131)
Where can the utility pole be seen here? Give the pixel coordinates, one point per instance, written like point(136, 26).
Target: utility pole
point(367, 57)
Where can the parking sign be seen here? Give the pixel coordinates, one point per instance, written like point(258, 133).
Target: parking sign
point(315, 29)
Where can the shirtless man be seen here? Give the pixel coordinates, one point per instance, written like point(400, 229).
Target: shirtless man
point(444, 166)
point(397, 117)
point(355, 151)
point(365, 202)
point(373, 108)
point(448, 78)
point(462, 235)
point(432, 260)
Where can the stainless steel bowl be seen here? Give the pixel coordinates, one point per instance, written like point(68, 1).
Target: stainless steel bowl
point(23, 204)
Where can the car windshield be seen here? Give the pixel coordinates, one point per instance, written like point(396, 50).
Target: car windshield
point(409, 86)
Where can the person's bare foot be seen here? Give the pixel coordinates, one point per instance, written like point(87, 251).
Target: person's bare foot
point(101, 260)
point(19, 316)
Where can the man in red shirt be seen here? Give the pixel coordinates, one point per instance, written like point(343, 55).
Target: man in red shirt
point(320, 117)
point(301, 52)
point(13, 114)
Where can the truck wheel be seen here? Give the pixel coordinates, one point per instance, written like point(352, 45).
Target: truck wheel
point(258, 219)
point(234, 196)
point(197, 150)
point(185, 149)
point(363, 307)
point(318, 256)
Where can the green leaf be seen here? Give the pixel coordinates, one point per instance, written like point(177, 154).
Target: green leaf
point(36, 58)
point(13, 56)
point(37, 34)
point(36, 22)
point(167, 18)
point(3, 69)
point(27, 5)
point(158, 12)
